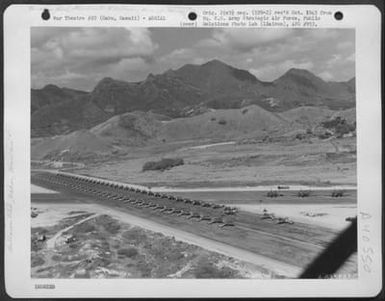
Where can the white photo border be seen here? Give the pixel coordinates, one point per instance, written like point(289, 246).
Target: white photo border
point(18, 19)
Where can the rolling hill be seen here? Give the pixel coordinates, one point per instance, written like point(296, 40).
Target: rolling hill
point(76, 145)
point(224, 124)
point(138, 129)
point(129, 129)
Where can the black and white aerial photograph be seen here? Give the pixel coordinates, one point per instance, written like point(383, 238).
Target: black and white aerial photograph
point(193, 153)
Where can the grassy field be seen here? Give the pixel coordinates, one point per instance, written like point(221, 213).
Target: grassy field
point(261, 197)
point(316, 163)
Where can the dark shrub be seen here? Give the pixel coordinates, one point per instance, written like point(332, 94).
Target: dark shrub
point(205, 269)
point(129, 252)
point(109, 224)
point(339, 125)
point(303, 193)
point(163, 164)
point(325, 135)
point(272, 194)
point(175, 255)
point(134, 235)
point(338, 193)
point(144, 267)
point(222, 122)
point(344, 128)
point(36, 261)
point(330, 124)
point(127, 121)
point(267, 139)
point(85, 228)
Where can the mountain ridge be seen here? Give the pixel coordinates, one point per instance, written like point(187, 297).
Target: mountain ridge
point(186, 91)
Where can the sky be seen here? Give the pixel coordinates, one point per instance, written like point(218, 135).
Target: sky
point(79, 58)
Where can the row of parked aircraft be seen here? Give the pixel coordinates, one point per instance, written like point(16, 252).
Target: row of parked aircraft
point(120, 192)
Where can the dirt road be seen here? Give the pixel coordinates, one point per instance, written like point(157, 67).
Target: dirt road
point(52, 241)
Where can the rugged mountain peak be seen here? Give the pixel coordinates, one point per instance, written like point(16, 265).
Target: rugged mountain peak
point(195, 88)
point(214, 75)
point(211, 66)
point(106, 80)
point(50, 87)
point(151, 77)
point(215, 62)
point(239, 74)
point(296, 78)
point(299, 72)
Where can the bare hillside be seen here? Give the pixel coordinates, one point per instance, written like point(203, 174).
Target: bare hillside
point(77, 144)
point(224, 124)
point(130, 129)
point(140, 129)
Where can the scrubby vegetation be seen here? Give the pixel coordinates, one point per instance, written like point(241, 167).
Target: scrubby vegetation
point(128, 252)
point(134, 235)
point(325, 135)
point(300, 136)
point(303, 193)
point(118, 250)
point(163, 164)
point(36, 261)
point(222, 122)
point(127, 121)
point(86, 228)
point(273, 194)
point(339, 126)
point(110, 225)
point(206, 269)
point(306, 135)
point(338, 193)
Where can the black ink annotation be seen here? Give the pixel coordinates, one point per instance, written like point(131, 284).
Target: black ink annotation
point(83, 18)
point(129, 18)
point(137, 18)
point(106, 18)
point(69, 18)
